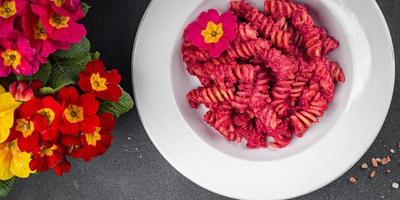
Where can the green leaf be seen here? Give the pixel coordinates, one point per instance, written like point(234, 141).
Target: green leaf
point(47, 91)
point(124, 104)
point(43, 74)
point(85, 7)
point(6, 187)
point(95, 55)
point(76, 50)
point(66, 71)
point(5, 82)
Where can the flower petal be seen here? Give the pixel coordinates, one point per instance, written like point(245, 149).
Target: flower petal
point(20, 165)
point(68, 95)
point(213, 16)
point(90, 123)
point(5, 162)
point(219, 48)
point(4, 71)
point(89, 103)
point(193, 31)
point(96, 66)
point(228, 17)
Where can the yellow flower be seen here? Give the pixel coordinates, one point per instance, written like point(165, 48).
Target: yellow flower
point(13, 162)
point(7, 107)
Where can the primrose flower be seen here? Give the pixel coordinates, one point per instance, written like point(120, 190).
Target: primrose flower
point(33, 29)
point(17, 56)
point(51, 156)
point(58, 20)
point(9, 9)
point(95, 143)
point(7, 107)
point(13, 162)
point(37, 121)
point(212, 32)
point(104, 84)
point(79, 112)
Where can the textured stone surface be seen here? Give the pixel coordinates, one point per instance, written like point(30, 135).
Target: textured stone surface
point(133, 168)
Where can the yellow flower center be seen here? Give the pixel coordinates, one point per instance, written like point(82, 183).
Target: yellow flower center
point(58, 21)
point(98, 83)
point(11, 58)
point(48, 151)
point(39, 31)
point(73, 113)
point(8, 9)
point(92, 138)
point(25, 127)
point(48, 114)
point(58, 3)
point(12, 146)
point(212, 33)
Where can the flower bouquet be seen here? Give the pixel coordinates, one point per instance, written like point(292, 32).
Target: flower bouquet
point(57, 99)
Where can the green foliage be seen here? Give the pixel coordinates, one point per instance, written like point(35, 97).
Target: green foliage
point(6, 187)
point(47, 91)
point(77, 50)
point(124, 104)
point(66, 66)
point(95, 55)
point(85, 7)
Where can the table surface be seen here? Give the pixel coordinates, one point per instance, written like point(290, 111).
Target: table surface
point(134, 169)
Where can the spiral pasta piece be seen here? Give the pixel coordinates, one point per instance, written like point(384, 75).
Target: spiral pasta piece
point(281, 8)
point(246, 32)
point(329, 45)
point(209, 96)
point(304, 118)
point(221, 119)
point(247, 50)
point(268, 117)
point(336, 72)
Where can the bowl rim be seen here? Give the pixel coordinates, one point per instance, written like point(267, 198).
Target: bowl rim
point(185, 173)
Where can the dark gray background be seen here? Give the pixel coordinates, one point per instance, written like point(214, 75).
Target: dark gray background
point(133, 168)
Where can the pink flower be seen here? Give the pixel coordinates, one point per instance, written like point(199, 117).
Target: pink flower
point(21, 91)
point(59, 20)
point(33, 28)
point(17, 56)
point(9, 10)
point(212, 32)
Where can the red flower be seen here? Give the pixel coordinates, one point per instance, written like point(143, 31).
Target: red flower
point(50, 156)
point(37, 121)
point(104, 84)
point(79, 112)
point(27, 127)
point(95, 143)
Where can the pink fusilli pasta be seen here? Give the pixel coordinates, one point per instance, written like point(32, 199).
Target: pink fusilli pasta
point(273, 82)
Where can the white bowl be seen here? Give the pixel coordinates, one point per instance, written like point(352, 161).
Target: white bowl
point(328, 149)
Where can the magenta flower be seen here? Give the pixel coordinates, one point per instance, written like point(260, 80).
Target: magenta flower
point(17, 56)
point(59, 20)
point(33, 28)
point(212, 32)
point(9, 10)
